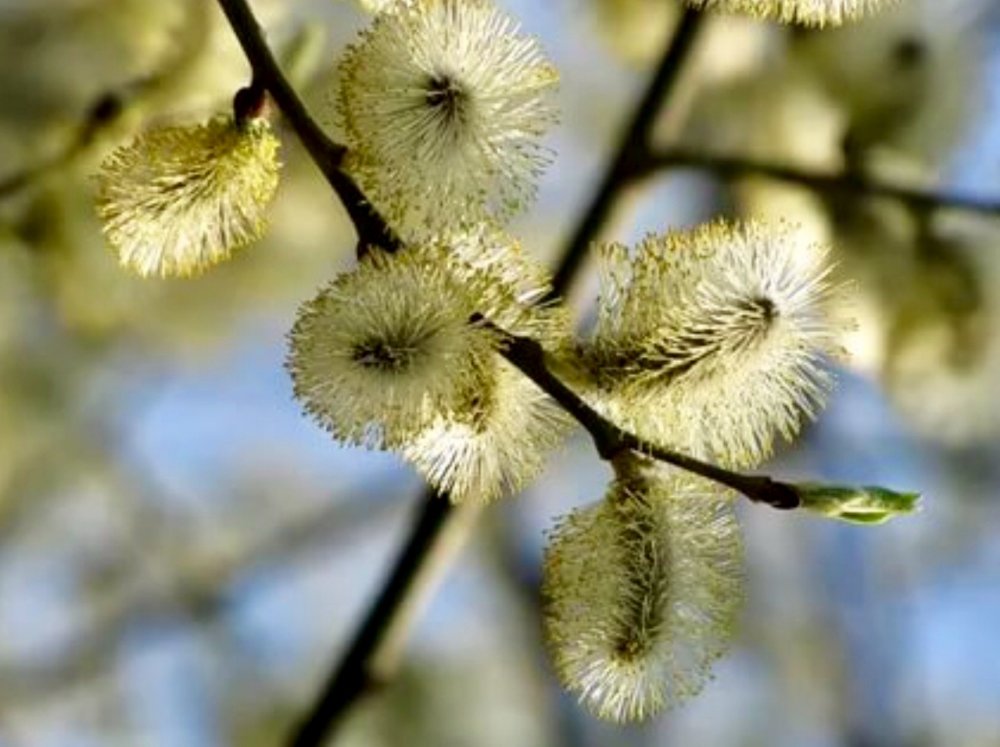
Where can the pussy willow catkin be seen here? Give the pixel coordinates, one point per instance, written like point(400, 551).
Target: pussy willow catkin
point(641, 592)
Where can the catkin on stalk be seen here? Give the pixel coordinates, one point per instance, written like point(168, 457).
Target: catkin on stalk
point(641, 592)
point(443, 103)
point(712, 340)
point(493, 445)
point(178, 200)
point(807, 12)
point(385, 349)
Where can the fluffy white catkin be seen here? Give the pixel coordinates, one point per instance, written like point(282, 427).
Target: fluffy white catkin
point(711, 340)
point(180, 199)
point(808, 12)
point(385, 349)
point(641, 593)
point(443, 103)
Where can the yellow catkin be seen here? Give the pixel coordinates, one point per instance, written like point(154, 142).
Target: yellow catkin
point(443, 104)
point(712, 340)
point(386, 348)
point(641, 593)
point(493, 445)
point(180, 199)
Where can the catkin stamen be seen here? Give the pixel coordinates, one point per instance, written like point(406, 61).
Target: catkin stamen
point(443, 102)
point(806, 12)
point(646, 589)
point(178, 200)
point(381, 355)
point(448, 98)
point(711, 340)
point(385, 349)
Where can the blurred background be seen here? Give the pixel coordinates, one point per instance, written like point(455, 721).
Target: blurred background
point(183, 554)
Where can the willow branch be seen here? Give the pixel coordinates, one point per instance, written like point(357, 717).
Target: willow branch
point(328, 155)
point(199, 590)
point(358, 672)
point(528, 356)
point(847, 183)
point(370, 656)
point(632, 151)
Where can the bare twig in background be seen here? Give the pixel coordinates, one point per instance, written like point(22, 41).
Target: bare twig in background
point(632, 151)
point(847, 183)
point(109, 108)
point(103, 113)
point(434, 539)
point(199, 589)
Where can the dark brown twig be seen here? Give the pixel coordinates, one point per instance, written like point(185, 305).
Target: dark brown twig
point(632, 151)
point(352, 677)
point(528, 356)
point(356, 673)
point(327, 154)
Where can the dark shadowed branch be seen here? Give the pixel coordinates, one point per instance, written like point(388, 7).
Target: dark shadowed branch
point(848, 183)
point(109, 108)
point(199, 590)
point(105, 111)
point(632, 151)
point(327, 154)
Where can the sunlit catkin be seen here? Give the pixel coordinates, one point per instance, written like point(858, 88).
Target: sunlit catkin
point(443, 103)
point(180, 199)
point(493, 445)
point(386, 348)
point(808, 12)
point(375, 6)
point(711, 340)
point(520, 283)
point(501, 435)
point(641, 593)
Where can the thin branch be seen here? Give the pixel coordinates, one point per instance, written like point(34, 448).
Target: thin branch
point(103, 114)
point(365, 665)
point(356, 675)
point(633, 148)
point(529, 357)
point(413, 570)
point(849, 183)
point(327, 154)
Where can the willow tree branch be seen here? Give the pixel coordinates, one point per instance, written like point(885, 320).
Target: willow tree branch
point(632, 151)
point(199, 590)
point(328, 155)
point(359, 671)
point(847, 183)
point(356, 674)
point(370, 656)
point(528, 356)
